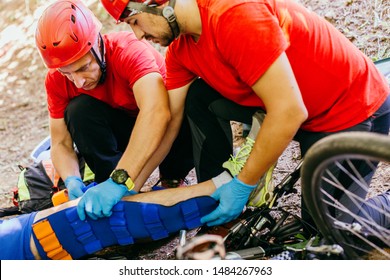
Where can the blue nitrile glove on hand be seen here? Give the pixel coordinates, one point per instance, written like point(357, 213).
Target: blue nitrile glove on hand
point(97, 202)
point(75, 186)
point(232, 197)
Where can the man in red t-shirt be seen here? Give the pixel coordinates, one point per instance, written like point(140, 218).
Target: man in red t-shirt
point(228, 59)
point(106, 94)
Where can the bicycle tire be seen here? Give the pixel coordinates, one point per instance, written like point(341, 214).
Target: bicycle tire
point(339, 150)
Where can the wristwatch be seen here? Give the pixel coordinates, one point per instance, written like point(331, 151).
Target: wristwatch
point(120, 176)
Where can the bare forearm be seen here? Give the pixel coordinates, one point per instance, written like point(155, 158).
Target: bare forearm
point(170, 197)
point(274, 136)
point(176, 106)
point(65, 160)
point(286, 111)
point(62, 152)
point(146, 137)
point(159, 155)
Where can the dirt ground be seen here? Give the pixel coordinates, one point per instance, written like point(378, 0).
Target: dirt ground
point(23, 112)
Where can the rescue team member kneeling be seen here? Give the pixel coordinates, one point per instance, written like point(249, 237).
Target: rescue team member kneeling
point(106, 94)
point(270, 55)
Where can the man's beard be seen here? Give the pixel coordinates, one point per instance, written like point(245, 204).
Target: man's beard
point(167, 39)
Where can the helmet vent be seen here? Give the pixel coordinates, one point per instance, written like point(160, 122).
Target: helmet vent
point(73, 18)
point(74, 37)
point(55, 44)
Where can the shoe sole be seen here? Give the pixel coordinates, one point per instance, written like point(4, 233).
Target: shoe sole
point(264, 192)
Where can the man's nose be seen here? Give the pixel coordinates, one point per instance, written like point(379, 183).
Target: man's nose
point(138, 32)
point(78, 80)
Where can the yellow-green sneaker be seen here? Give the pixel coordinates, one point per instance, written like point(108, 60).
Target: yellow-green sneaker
point(237, 162)
point(264, 192)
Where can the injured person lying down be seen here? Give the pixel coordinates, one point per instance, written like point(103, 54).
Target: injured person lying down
point(58, 233)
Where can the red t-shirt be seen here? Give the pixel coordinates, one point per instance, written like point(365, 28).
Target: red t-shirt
point(127, 58)
point(340, 86)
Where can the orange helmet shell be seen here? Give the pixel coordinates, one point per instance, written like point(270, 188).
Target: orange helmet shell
point(66, 31)
point(116, 7)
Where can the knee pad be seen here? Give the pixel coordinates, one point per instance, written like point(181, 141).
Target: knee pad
point(63, 235)
point(15, 235)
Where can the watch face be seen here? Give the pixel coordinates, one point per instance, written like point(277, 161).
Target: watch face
point(120, 176)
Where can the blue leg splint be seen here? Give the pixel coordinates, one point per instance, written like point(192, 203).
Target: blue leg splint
point(64, 236)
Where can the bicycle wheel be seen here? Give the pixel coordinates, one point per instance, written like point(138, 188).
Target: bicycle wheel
point(336, 176)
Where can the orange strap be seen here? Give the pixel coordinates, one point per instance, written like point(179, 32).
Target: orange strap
point(49, 241)
point(60, 197)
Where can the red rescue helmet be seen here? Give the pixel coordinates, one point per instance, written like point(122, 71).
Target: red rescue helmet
point(116, 7)
point(66, 31)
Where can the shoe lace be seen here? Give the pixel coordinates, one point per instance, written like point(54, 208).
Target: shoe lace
point(236, 162)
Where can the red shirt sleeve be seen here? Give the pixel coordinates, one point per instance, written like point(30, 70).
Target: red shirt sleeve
point(178, 74)
point(57, 93)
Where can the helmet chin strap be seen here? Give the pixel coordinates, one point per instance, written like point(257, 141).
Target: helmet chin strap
point(100, 59)
point(167, 12)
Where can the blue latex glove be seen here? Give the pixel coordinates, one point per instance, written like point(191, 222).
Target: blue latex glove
point(232, 197)
point(97, 202)
point(74, 186)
